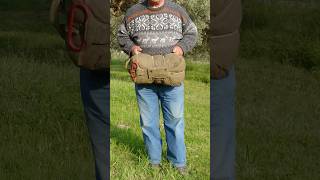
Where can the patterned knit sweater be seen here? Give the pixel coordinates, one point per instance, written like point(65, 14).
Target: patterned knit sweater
point(157, 31)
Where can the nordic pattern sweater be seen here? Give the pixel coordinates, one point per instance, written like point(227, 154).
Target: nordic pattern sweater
point(157, 31)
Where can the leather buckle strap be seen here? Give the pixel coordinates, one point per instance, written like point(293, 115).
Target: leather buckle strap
point(132, 70)
point(70, 26)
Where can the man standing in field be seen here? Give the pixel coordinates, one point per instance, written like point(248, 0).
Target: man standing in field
point(159, 27)
point(93, 60)
point(226, 18)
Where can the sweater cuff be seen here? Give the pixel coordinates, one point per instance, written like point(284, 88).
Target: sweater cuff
point(128, 47)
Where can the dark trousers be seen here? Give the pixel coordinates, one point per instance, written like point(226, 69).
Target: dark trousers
point(223, 137)
point(95, 93)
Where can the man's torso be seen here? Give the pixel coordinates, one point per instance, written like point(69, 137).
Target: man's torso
point(155, 31)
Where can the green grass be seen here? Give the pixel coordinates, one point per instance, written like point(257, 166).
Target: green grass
point(278, 123)
point(278, 82)
point(128, 157)
point(42, 132)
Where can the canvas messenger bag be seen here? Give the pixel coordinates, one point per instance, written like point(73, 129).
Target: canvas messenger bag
point(166, 69)
point(83, 24)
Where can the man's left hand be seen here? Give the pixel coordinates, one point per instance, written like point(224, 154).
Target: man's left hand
point(178, 51)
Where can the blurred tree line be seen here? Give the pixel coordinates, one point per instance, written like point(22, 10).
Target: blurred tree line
point(199, 11)
point(285, 31)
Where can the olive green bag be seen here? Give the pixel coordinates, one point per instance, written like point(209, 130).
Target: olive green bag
point(166, 69)
point(84, 25)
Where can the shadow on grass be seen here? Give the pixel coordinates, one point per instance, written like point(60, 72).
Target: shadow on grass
point(126, 137)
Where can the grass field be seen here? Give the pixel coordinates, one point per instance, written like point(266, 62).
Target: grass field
point(42, 132)
point(128, 156)
point(278, 97)
point(278, 113)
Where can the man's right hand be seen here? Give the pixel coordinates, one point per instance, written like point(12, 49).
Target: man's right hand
point(135, 50)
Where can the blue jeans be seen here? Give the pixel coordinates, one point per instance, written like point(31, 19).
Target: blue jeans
point(171, 99)
point(223, 142)
point(95, 88)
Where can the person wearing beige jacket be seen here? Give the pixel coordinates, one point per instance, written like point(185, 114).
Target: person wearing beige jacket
point(225, 39)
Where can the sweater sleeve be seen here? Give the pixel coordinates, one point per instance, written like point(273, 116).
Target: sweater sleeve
point(124, 39)
point(189, 32)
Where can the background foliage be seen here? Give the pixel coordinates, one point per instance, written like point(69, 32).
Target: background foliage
point(287, 32)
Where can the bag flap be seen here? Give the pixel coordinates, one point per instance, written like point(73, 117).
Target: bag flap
point(99, 9)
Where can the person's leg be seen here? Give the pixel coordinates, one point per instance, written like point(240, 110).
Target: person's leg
point(95, 97)
point(223, 126)
point(172, 103)
point(148, 103)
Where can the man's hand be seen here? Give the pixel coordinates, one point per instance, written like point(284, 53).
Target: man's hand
point(135, 50)
point(177, 50)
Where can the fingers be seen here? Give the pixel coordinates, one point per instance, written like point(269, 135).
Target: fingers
point(136, 50)
point(177, 50)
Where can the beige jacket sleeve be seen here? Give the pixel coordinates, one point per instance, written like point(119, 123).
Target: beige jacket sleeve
point(225, 38)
